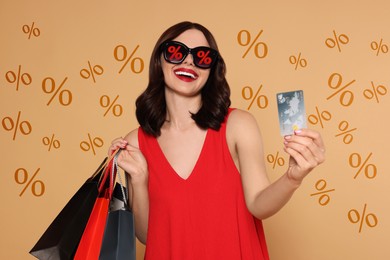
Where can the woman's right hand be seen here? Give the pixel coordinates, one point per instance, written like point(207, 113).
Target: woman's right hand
point(131, 160)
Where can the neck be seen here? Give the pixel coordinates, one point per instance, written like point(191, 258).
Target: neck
point(179, 109)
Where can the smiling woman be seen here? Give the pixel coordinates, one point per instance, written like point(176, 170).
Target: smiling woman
point(198, 185)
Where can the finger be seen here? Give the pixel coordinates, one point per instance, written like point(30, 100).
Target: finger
point(314, 135)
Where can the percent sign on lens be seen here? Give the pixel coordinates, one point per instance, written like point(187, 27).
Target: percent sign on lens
point(37, 186)
point(320, 186)
point(275, 159)
point(31, 30)
point(379, 47)
point(336, 40)
point(345, 131)
point(375, 92)
point(120, 54)
point(355, 161)
point(23, 126)
point(347, 96)
point(64, 96)
point(319, 117)
point(91, 71)
point(51, 142)
point(116, 109)
point(244, 38)
point(18, 77)
point(91, 144)
point(355, 217)
point(261, 100)
point(298, 61)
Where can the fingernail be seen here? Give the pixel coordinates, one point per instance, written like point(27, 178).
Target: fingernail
point(298, 131)
point(287, 137)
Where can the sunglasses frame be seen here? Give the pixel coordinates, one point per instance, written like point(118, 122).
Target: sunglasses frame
point(213, 54)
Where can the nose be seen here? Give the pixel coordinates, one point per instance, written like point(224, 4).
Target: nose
point(189, 59)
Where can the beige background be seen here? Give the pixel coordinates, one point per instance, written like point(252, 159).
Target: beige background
point(71, 33)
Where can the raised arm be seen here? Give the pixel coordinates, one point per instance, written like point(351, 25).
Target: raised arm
point(263, 199)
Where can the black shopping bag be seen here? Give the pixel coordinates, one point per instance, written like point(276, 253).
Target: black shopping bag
point(119, 234)
point(61, 238)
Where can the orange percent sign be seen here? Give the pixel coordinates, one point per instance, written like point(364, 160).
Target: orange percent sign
point(319, 116)
point(13, 77)
point(65, 96)
point(91, 71)
point(25, 180)
point(120, 54)
point(376, 90)
point(324, 199)
point(337, 40)
point(27, 29)
point(355, 217)
point(115, 108)
point(355, 161)
point(344, 128)
point(275, 159)
point(379, 47)
point(261, 100)
point(51, 142)
point(298, 61)
point(244, 39)
point(346, 97)
point(9, 124)
point(91, 143)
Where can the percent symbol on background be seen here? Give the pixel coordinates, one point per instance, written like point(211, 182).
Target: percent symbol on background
point(51, 142)
point(275, 159)
point(347, 96)
point(298, 61)
point(379, 47)
point(91, 144)
point(120, 54)
point(64, 96)
point(376, 91)
point(345, 131)
point(261, 100)
point(336, 40)
point(18, 77)
point(319, 117)
point(320, 186)
point(116, 109)
point(244, 39)
point(355, 161)
point(31, 30)
point(23, 126)
point(91, 71)
point(355, 217)
point(26, 181)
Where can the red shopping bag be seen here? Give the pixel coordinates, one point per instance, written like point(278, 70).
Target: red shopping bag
point(91, 240)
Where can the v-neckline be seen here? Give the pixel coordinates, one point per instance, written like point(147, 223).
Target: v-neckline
point(196, 162)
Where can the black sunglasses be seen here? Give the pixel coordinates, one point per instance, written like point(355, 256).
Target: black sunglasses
point(176, 52)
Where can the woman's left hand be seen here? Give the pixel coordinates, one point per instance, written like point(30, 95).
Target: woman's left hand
point(306, 150)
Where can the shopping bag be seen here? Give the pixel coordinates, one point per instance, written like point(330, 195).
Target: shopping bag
point(61, 238)
point(91, 239)
point(119, 235)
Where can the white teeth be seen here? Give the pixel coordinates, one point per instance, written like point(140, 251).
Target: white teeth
point(184, 73)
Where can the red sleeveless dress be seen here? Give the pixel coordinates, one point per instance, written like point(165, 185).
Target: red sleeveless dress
point(203, 217)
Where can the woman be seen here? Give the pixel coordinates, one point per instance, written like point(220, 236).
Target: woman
point(198, 185)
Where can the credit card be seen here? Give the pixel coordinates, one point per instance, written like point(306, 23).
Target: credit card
point(291, 111)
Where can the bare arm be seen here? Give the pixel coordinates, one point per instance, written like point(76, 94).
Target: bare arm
point(133, 162)
point(264, 199)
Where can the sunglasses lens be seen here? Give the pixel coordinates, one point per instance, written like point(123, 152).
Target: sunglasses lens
point(175, 53)
point(204, 57)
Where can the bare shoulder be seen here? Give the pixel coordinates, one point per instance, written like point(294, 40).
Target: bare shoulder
point(242, 127)
point(132, 138)
point(239, 120)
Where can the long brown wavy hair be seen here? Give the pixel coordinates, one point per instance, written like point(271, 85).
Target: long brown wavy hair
point(151, 104)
